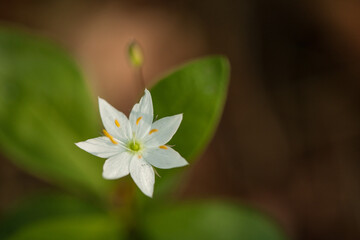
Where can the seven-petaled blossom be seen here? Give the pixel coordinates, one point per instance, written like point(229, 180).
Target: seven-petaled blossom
point(136, 144)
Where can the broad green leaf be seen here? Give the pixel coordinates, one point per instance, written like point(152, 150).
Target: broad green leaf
point(41, 208)
point(45, 107)
point(58, 216)
point(210, 221)
point(93, 227)
point(198, 90)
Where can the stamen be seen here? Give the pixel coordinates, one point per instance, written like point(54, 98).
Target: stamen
point(138, 120)
point(117, 123)
point(109, 136)
point(152, 131)
point(156, 172)
point(163, 147)
point(139, 156)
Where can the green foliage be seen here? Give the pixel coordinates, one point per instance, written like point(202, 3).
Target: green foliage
point(58, 216)
point(198, 90)
point(96, 227)
point(209, 221)
point(45, 107)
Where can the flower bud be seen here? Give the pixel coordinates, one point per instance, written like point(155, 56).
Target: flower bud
point(135, 54)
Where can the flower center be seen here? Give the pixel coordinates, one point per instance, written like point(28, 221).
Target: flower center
point(134, 146)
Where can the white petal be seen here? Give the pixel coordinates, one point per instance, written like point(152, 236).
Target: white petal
point(108, 116)
point(143, 175)
point(142, 113)
point(117, 166)
point(166, 128)
point(101, 147)
point(164, 158)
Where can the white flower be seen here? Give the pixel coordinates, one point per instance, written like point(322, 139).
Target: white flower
point(133, 145)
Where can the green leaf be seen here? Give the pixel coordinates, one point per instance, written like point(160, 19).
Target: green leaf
point(210, 221)
point(198, 90)
point(95, 227)
point(45, 107)
point(58, 216)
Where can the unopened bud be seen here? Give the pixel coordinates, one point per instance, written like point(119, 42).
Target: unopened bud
point(135, 54)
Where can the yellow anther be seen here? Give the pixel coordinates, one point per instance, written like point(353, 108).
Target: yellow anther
point(152, 131)
point(138, 120)
point(163, 147)
point(110, 137)
point(139, 156)
point(117, 123)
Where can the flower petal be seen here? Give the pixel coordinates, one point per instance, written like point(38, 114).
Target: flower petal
point(164, 158)
point(117, 166)
point(143, 175)
point(101, 147)
point(141, 116)
point(115, 122)
point(164, 130)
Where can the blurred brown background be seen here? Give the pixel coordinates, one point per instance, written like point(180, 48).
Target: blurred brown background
point(288, 142)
